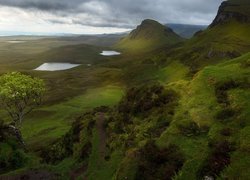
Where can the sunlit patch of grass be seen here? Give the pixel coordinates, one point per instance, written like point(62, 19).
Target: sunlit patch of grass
point(51, 122)
point(173, 72)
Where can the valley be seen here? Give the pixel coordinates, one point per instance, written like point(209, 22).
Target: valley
point(148, 104)
point(70, 92)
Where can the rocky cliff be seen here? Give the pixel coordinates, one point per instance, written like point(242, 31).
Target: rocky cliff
point(238, 10)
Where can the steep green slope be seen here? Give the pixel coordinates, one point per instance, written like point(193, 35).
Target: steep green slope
point(226, 38)
point(172, 123)
point(216, 99)
point(148, 36)
point(182, 129)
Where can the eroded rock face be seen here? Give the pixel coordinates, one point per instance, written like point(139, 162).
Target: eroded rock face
point(228, 11)
point(227, 54)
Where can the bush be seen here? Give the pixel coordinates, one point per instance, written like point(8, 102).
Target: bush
point(18, 159)
point(155, 163)
point(64, 147)
point(225, 114)
point(189, 129)
point(221, 89)
point(2, 134)
point(141, 100)
point(246, 63)
point(226, 132)
point(217, 160)
point(162, 123)
point(11, 158)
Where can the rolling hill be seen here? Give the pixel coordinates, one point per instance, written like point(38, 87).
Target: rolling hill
point(170, 111)
point(148, 36)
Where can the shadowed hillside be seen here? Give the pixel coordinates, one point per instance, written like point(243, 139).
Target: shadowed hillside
point(148, 36)
point(226, 38)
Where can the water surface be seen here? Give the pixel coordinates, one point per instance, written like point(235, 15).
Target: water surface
point(16, 42)
point(56, 66)
point(110, 53)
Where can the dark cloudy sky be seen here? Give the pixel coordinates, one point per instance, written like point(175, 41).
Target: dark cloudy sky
point(99, 16)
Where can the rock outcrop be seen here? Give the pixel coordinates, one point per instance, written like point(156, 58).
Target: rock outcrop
point(233, 10)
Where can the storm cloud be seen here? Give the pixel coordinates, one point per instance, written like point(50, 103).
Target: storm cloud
point(124, 14)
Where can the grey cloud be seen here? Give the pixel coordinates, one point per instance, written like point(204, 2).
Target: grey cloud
point(122, 13)
point(46, 5)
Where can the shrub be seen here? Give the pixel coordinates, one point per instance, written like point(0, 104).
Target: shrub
point(141, 100)
point(189, 129)
point(64, 147)
point(226, 132)
point(11, 158)
point(221, 89)
point(217, 160)
point(2, 133)
point(225, 114)
point(246, 63)
point(162, 123)
point(17, 159)
point(155, 163)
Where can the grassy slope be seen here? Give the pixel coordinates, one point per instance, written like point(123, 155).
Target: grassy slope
point(198, 104)
point(48, 123)
point(148, 36)
point(215, 44)
point(173, 72)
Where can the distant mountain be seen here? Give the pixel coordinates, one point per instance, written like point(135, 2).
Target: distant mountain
point(186, 30)
point(104, 40)
point(148, 36)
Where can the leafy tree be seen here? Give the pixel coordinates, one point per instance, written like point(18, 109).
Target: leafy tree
point(19, 95)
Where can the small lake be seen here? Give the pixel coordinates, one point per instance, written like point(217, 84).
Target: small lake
point(56, 66)
point(110, 53)
point(16, 42)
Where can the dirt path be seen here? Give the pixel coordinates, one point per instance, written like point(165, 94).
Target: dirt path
point(78, 172)
point(102, 134)
point(100, 123)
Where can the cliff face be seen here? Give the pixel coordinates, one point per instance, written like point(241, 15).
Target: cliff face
point(233, 10)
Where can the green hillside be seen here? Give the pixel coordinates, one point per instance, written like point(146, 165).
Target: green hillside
point(221, 42)
point(199, 126)
point(226, 38)
point(148, 36)
point(166, 108)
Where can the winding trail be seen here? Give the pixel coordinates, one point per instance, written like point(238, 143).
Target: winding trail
point(78, 172)
point(102, 134)
point(100, 126)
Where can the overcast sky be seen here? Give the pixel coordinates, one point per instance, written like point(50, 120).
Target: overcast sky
point(100, 16)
